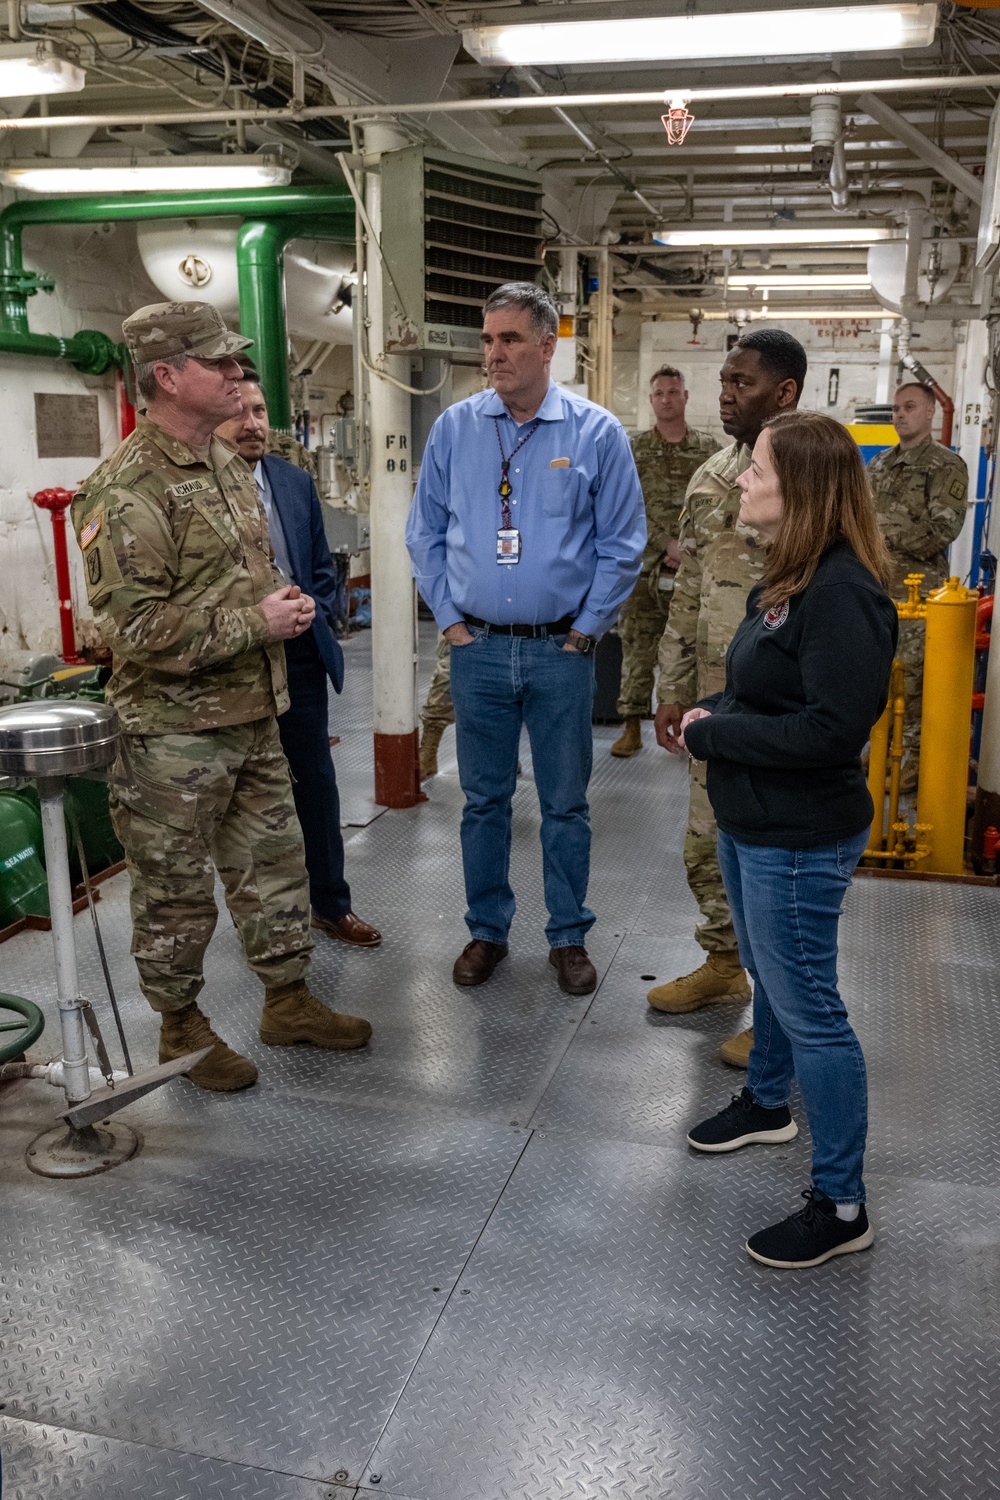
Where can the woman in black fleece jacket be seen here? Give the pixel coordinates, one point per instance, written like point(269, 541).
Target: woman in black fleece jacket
point(807, 675)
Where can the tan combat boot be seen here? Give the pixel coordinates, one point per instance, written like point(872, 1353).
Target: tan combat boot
point(187, 1030)
point(430, 739)
point(629, 742)
point(736, 1052)
point(721, 980)
point(291, 1014)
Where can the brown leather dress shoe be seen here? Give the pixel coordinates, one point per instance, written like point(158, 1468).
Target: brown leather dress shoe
point(577, 975)
point(349, 929)
point(477, 960)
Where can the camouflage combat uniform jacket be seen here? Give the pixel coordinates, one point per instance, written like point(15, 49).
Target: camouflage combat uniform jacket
point(664, 472)
point(721, 561)
point(920, 498)
point(292, 451)
point(177, 560)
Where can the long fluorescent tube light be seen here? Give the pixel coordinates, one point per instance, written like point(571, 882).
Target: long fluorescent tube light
point(776, 281)
point(37, 68)
point(748, 33)
point(693, 239)
point(174, 174)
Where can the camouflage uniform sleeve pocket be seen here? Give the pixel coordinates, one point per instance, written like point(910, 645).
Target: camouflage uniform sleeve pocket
point(100, 565)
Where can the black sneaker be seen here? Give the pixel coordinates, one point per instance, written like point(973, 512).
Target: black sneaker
point(744, 1123)
point(811, 1236)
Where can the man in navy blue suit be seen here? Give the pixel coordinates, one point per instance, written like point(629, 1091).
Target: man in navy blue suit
point(295, 523)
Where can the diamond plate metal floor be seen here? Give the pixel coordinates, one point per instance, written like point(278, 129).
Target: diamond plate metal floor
point(476, 1262)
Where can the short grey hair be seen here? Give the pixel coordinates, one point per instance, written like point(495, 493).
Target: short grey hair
point(526, 296)
point(145, 380)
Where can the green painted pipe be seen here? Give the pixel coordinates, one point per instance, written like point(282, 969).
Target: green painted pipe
point(94, 352)
point(260, 246)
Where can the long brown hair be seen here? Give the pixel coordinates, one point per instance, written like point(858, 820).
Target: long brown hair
point(827, 498)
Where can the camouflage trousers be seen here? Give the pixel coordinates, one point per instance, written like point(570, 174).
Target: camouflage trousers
point(186, 805)
point(640, 626)
point(715, 931)
point(438, 707)
point(910, 651)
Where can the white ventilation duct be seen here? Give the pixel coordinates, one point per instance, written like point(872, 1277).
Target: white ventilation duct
point(195, 259)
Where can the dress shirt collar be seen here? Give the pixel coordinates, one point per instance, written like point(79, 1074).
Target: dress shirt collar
point(551, 409)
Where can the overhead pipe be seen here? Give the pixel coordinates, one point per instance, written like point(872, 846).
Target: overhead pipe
point(925, 150)
point(312, 212)
point(910, 362)
point(659, 97)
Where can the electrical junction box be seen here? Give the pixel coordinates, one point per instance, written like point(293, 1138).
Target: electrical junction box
point(347, 531)
point(478, 223)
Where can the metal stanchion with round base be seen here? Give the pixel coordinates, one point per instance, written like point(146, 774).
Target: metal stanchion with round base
point(49, 741)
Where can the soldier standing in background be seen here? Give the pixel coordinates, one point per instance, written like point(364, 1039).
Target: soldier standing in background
point(721, 560)
point(921, 490)
point(438, 710)
point(180, 573)
point(666, 457)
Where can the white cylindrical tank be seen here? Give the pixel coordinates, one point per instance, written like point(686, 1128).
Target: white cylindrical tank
point(196, 259)
point(939, 265)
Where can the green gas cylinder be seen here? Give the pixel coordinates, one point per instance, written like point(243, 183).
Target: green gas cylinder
point(23, 888)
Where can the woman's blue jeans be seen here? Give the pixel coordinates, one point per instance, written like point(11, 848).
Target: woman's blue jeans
point(498, 683)
point(786, 908)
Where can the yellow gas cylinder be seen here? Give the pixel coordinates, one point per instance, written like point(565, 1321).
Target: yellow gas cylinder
point(949, 660)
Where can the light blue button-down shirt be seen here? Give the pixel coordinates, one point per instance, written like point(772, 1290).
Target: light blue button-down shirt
point(576, 500)
point(275, 529)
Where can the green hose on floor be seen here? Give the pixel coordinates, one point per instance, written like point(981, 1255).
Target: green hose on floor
point(30, 1027)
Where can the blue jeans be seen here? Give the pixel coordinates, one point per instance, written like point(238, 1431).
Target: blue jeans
point(498, 683)
point(786, 907)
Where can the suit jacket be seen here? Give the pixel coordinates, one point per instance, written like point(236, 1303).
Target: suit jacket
point(298, 507)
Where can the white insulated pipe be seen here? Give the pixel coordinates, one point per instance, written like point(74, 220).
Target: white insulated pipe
point(659, 97)
point(394, 640)
point(76, 1073)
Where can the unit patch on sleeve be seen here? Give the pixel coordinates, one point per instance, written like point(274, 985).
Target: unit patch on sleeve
point(776, 616)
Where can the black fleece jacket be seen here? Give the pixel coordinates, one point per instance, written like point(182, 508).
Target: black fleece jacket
point(805, 682)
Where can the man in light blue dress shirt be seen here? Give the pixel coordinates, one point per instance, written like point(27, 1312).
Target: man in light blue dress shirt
point(526, 537)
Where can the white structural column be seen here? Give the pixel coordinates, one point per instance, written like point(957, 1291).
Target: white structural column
point(971, 411)
point(76, 1074)
point(394, 640)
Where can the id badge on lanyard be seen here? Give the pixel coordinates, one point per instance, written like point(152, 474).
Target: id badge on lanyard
point(508, 545)
point(508, 536)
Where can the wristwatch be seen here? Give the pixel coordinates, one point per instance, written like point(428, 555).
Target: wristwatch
point(583, 645)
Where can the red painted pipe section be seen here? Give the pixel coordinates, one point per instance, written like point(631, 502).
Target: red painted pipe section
point(125, 408)
point(947, 406)
point(57, 502)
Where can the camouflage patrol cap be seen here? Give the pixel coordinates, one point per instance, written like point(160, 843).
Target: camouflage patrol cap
point(166, 329)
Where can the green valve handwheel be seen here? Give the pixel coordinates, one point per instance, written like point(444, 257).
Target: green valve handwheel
point(29, 1026)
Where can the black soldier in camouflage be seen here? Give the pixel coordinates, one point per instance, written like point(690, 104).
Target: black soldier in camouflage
point(721, 560)
point(180, 574)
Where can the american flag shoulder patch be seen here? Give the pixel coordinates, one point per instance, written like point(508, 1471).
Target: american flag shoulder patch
point(88, 533)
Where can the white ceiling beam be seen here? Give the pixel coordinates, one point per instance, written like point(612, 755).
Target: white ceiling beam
point(925, 150)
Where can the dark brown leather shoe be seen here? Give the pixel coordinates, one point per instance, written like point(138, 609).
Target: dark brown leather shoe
point(477, 960)
point(577, 975)
point(349, 929)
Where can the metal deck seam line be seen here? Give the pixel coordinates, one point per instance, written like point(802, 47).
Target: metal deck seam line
point(446, 1303)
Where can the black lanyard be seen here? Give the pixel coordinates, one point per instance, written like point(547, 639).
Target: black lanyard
point(505, 490)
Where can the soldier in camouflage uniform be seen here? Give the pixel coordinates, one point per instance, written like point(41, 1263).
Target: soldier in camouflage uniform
point(291, 450)
point(180, 573)
point(438, 710)
point(666, 457)
point(721, 560)
point(921, 490)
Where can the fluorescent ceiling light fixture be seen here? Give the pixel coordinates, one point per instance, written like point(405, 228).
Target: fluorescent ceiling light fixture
point(694, 239)
point(37, 68)
point(777, 281)
point(747, 33)
point(157, 173)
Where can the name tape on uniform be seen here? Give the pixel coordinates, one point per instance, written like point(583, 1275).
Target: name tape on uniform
point(189, 487)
